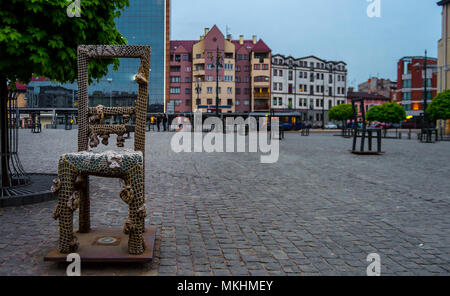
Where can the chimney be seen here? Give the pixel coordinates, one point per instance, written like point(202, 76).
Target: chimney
point(202, 37)
point(241, 40)
point(206, 31)
point(254, 39)
point(229, 37)
point(351, 89)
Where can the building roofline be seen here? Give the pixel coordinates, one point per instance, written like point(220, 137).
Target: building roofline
point(310, 56)
point(443, 2)
point(420, 57)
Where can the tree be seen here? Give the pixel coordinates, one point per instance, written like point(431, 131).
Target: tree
point(374, 113)
point(342, 113)
point(40, 38)
point(392, 113)
point(440, 107)
point(388, 113)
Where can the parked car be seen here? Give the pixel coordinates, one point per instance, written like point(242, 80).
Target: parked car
point(383, 125)
point(331, 125)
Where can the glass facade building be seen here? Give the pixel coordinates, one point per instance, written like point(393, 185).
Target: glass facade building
point(144, 22)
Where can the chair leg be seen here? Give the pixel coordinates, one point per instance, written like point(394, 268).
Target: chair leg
point(135, 224)
point(85, 212)
point(67, 242)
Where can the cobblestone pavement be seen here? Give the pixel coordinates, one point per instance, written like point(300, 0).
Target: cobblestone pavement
point(319, 211)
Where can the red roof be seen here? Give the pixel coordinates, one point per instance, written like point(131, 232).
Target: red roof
point(260, 46)
point(187, 44)
point(366, 95)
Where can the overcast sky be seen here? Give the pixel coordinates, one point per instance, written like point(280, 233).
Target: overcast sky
point(328, 29)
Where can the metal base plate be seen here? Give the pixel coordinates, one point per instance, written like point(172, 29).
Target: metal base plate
point(107, 245)
point(367, 153)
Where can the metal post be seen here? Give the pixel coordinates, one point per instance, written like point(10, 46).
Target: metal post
point(4, 131)
point(217, 81)
point(323, 103)
point(425, 103)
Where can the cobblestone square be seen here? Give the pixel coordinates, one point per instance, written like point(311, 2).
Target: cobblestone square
point(319, 210)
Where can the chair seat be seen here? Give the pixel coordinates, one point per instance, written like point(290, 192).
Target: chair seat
point(108, 163)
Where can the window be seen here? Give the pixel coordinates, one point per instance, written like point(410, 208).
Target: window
point(275, 100)
point(187, 79)
point(239, 57)
point(209, 90)
point(238, 79)
point(261, 78)
point(188, 69)
point(257, 67)
point(187, 91)
point(228, 78)
point(238, 91)
point(238, 68)
point(209, 101)
point(321, 76)
point(198, 56)
point(290, 103)
point(229, 90)
point(280, 86)
point(330, 79)
point(246, 91)
point(246, 79)
point(275, 86)
point(246, 68)
point(238, 102)
point(209, 55)
point(185, 57)
point(228, 66)
point(280, 101)
point(175, 79)
point(275, 72)
point(265, 66)
point(175, 90)
point(199, 67)
point(230, 102)
point(188, 102)
point(209, 66)
point(290, 75)
point(280, 73)
point(220, 90)
point(175, 69)
point(245, 57)
point(197, 102)
point(246, 102)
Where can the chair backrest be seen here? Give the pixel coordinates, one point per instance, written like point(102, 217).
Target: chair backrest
point(91, 120)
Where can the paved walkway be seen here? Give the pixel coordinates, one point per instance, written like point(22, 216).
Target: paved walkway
point(319, 211)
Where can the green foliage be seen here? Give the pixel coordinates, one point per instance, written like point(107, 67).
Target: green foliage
point(388, 112)
point(440, 106)
point(341, 112)
point(38, 38)
point(374, 113)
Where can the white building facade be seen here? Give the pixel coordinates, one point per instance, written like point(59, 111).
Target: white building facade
point(307, 85)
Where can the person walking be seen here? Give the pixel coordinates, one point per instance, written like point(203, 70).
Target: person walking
point(164, 120)
point(158, 121)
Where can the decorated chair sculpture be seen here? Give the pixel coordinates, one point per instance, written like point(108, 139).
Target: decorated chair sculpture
point(74, 169)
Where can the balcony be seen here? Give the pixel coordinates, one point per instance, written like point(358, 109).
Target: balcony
point(261, 94)
point(261, 105)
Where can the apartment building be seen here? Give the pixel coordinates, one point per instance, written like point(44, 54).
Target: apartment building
point(243, 75)
point(411, 83)
point(308, 85)
point(380, 86)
